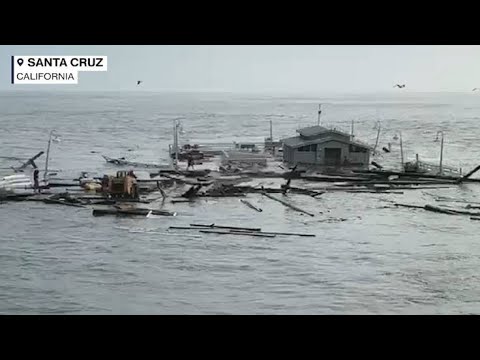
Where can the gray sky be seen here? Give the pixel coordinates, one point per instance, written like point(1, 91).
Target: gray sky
point(265, 68)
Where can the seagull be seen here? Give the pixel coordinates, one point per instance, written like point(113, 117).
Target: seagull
point(400, 86)
point(475, 89)
point(139, 82)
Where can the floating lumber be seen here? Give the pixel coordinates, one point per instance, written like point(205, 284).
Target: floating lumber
point(61, 202)
point(333, 220)
point(287, 204)
point(279, 233)
point(221, 195)
point(334, 178)
point(474, 218)
point(183, 228)
point(467, 176)
point(245, 231)
point(251, 189)
point(374, 192)
point(410, 206)
point(421, 175)
point(192, 192)
point(237, 233)
point(176, 201)
point(123, 162)
point(461, 212)
point(400, 182)
point(251, 206)
point(30, 161)
point(137, 212)
point(439, 210)
point(312, 193)
point(225, 227)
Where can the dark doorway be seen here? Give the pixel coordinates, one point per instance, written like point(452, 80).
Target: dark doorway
point(333, 156)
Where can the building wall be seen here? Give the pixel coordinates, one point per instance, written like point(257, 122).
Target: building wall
point(294, 156)
point(304, 157)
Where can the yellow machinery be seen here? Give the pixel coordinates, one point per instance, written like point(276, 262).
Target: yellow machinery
point(123, 185)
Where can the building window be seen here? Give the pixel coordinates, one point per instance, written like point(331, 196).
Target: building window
point(357, 149)
point(308, 148)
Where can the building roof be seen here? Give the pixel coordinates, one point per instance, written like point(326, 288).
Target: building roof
point(316, 130)
point(312, 130)
point(298, 141)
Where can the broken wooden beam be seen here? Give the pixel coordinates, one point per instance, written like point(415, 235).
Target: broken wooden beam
point(237, 233)
point(409, 206)
point(280, 233)
point(30, 161)
point(183, 228)
point(439, 210)
point(463, 178)
point(225, 227)
point(218, 195)
point(293, 207)
point(374, 192)
point(192, 192)
point(244, 231)
point(61, 202)
point(251, 206)
point(136, 212)
point(176, 201)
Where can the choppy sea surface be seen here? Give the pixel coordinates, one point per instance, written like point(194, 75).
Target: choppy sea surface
point(378, 260)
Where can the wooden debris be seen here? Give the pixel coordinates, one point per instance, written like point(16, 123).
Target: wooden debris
point(175, 201)
point(218, 195)
point(410, 206)
point(244, 231)
point(61, 202)
point(286, 187)
point(136, 212)
point(293, 207)
point(183, 228)
point(375, 192)
point(279, 233)
point(226, 227)
point(192, 192)
point(474, 218)
point(463, 178)
point(250, 205)
point(30, 161)
point(439, 210)
point(237, 233)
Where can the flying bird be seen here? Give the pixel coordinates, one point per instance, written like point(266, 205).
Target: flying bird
point(139, 82)
point(400, 86)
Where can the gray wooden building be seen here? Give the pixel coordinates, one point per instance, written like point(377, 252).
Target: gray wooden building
point(317, 145)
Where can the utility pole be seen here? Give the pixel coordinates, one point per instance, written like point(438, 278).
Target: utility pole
point(45, 175)
point(401, 151)
point(319, 113)
point(441, 152)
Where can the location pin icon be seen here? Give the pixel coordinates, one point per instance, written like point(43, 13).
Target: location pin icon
point(20, 62)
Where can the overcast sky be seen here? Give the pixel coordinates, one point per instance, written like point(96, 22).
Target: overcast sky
point(264, 68)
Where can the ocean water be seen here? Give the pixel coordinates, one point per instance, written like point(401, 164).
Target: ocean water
point(378, 260)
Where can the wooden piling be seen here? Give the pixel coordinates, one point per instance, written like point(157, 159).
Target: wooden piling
point(250, 205)
point(293, 207)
